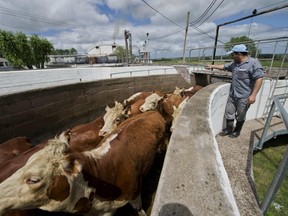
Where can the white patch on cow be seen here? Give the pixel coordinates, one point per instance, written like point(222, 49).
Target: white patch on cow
point(150, 103)
point(190, 89)
point(132, 97)
point(101, 151)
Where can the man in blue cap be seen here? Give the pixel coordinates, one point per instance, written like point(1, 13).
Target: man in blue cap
point(247, 76)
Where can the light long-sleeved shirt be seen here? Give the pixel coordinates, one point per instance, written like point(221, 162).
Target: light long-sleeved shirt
point(244, 76)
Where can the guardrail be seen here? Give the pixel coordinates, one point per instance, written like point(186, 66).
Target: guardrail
point(148, 71)
point(282, 170)
point(272, 48)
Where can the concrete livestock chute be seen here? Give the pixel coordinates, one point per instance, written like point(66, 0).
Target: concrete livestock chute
point(193, 181)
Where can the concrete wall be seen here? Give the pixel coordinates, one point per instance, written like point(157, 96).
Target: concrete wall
point(257, 110)
point(24, 80)
point(42, 113)
point(193, 180)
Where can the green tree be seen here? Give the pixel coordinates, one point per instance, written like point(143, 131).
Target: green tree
point(250, 44)
point(8, 47)
point(21, 50)
point(41, 48)
point(71, 51)
point(120, 52)
point(24, 51)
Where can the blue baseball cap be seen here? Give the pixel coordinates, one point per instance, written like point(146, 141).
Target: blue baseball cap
point(238, 48)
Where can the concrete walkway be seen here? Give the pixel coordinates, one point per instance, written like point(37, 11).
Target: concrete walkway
point(203, 173)
point(237, 155)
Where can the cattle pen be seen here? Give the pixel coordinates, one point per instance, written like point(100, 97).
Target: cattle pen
point(194, 180)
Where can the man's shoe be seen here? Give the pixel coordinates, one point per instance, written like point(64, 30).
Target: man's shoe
point(234, 134)
point(225, 132)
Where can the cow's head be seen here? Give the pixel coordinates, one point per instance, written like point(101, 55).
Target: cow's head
point(151, 102)
point(112, 118)
point(178, 90)
point(49, 180)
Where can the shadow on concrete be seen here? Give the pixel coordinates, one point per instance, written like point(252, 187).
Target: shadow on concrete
point(174, 209)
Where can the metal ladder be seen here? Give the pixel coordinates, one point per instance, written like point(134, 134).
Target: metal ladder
point(274, 85)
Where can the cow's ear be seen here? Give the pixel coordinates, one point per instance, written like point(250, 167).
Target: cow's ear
point(67, 134)
point(174, 107)
point(125, 112)
point(107, 108)
point(72, 166)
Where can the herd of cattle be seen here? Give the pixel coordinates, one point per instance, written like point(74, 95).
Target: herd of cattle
point(94, 168)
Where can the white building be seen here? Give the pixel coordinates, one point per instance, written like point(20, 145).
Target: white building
point(101, 50)
point(103, 53)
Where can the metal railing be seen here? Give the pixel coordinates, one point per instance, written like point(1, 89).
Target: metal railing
point(282, 170)
point(273, 47)
point(144, 72)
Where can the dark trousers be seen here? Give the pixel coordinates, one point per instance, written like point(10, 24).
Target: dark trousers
point(236, 108)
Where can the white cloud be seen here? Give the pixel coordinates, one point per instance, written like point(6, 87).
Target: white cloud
point(53, 19)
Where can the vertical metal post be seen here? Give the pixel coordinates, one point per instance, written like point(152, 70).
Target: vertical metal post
point(266, 127)
point(272, 62)
point(215, 43)
point(186, 32)
point(126, 36)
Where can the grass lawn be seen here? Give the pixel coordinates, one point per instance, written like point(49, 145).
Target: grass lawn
point(265, 164)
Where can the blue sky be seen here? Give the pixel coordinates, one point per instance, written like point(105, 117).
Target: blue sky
point(86, 23)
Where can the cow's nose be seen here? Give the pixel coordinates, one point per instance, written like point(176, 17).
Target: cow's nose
point(102, 133)
point(141, 109)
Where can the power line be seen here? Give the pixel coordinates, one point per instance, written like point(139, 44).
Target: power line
point(205, 12)
point(211, 13)
point(28, 16)
point(272, 4)
point(24, 15)
point(161, 14)
point(204, 33)
point(167, 35)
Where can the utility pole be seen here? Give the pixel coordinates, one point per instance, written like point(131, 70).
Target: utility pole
point(186, 32)
point(127, 36)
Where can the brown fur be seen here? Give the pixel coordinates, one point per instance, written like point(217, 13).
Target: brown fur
point(190, 93)
point(86, 136)
point(12, 165)
point(118, 175)
point(13, 147)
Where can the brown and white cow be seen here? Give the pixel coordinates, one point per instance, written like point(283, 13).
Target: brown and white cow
point(86, 136)
point(13, 164)
point(191, 91)
point(151, 102)
point(112, 118)
point(163, 105)
point(94, 182)
point(135, 97)
point(13, 147)
point(134, 108)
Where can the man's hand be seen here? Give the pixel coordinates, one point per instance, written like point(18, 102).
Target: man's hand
point(209, 67)
point(218, 67)
point(251, 99)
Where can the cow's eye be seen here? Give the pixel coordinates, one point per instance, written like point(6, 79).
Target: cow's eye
point(33, 180)
point(117, 120)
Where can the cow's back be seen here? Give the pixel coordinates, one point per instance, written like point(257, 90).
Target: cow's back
point(86, 136)
point(13, 147)
point(130, 157)
point(11, 166)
